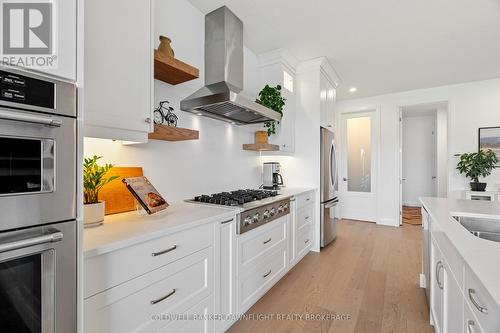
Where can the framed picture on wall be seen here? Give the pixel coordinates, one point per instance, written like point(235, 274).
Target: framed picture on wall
point(489, 138)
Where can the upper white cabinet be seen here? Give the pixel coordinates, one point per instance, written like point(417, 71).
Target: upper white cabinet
point(64, 14)
point(118, 88)
point(278, 68)
point(328, 95)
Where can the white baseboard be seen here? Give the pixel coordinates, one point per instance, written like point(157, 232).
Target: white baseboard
point(388, 222)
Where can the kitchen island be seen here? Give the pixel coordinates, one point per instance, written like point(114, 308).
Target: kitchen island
point(463, 269)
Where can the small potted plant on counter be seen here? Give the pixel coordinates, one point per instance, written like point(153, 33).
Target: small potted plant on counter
point(475, 165)
point(271, 98)
point(93, 181)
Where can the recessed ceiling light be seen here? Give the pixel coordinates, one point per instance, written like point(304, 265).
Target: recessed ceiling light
point(353, 89)
point(200, 114)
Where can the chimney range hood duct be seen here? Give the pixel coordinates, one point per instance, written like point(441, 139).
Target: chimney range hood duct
point(221, 97)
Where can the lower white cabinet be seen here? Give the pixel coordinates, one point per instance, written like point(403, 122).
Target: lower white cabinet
point(262, 260)
point(458, 301)
point(195, 280)
point(145, 303)
point(200, 323)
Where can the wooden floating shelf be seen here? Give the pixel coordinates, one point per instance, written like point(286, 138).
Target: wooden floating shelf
point(260, 147)
point(169, 133)
point(173, 71)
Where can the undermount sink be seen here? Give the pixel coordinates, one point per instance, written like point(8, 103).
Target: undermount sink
point(484, 228)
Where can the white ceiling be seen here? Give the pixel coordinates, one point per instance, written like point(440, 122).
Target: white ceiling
point(379, 46)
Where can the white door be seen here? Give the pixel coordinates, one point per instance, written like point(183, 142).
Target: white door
point(419, 158)
point(359, 158)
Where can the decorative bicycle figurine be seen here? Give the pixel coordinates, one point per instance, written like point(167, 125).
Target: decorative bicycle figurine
point(163, 114)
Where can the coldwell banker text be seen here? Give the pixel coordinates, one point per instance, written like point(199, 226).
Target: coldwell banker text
point(27, 34)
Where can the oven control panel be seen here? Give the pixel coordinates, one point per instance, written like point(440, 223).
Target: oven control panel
point(255, 217)
point(25, 90)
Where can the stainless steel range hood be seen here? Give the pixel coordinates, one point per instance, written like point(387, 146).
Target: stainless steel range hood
point(221, 97)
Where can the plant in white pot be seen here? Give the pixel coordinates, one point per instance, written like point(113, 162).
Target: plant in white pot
point(475, 165)
point(93, 181)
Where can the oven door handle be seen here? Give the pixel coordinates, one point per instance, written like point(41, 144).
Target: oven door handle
point(37, 119)
point(20, 244)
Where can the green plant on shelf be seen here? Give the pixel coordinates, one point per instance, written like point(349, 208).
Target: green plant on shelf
point(271, 97)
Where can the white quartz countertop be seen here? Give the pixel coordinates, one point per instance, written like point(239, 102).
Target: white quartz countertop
point(481, 255)
point(126, 229)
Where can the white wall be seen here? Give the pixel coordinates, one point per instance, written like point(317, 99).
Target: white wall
point(471, 105)
point(419, 155)
point(216, 161)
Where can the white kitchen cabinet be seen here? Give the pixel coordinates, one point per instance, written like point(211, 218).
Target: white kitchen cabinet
point(201, 325)
point(65, 40)
point(225, 267)
point(328, 96)
point(302, 226)
point(437, 274)
point(118, 90)
point(453, 302)
point(470, 323)
point(278, 68)
point(139, 304)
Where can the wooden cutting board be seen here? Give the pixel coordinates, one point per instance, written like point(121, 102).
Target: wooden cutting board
point(116, 195)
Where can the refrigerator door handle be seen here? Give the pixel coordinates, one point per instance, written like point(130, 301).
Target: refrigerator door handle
point(331, 203)
point(333, 165)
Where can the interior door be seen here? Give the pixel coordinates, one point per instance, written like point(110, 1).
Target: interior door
point(359, 166)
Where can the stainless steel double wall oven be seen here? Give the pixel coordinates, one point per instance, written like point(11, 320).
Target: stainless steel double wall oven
point(37, 203)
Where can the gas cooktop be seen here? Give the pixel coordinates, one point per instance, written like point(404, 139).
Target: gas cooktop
point(235, 198)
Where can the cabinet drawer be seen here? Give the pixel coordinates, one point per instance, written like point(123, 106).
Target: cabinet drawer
point(253, 284)
point(304, 215)
point(452, 257)
point(256, 244)
point(205, 325)
point(134, 306)
point(304, 199)
point(304, 240)
point(113, 268)
point(478, 297)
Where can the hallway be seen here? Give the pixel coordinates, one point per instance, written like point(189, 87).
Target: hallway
point(367, 280)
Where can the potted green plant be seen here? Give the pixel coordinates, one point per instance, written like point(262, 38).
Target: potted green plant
point(271, 98)
point(475, 165)
point(93, 181)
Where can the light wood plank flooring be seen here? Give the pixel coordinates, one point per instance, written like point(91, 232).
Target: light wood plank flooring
point(370, 273)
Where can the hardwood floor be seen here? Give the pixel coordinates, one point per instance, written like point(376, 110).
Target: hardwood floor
point(370, 274)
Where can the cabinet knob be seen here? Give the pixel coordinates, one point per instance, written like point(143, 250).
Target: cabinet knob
point(148, 120)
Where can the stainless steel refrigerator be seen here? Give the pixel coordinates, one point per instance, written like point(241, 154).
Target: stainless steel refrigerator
point(329, 187)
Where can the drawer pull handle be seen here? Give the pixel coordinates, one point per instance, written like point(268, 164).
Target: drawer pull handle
point(156, 301)
point(267, 274)
point(224, 222)
point(306, 241)
point(155, 254)
point(481, 309)
point(470, 326)
point(308, 217)
point(267, 241)
point(308, 199)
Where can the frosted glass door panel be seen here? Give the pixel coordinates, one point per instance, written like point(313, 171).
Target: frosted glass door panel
point(359, 154)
